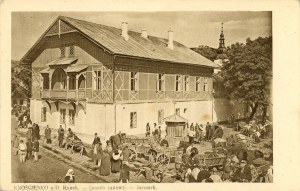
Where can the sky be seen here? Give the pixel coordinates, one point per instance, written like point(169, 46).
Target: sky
point(190, 28)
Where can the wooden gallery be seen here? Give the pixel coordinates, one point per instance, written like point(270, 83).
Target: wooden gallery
point(96, 78)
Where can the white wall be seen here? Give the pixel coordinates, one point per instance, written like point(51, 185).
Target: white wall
point(196, 112)
point(100, 117)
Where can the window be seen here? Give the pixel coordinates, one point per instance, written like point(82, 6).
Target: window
point(43, 116)
point(185, 110)
point(81, 82)
point(133, 120)
point(160, 116)
point(186, 83)
point(133, 81)
point(177, 111)
point(71, 116)
point(59, 79)
point(72, 82)
point(160, 82)
point(46, 81)
point(178, 83)
point(198, 84)
point(97, 80)
point(205, 85)
point(72, 51)
point(62, 117)
point(62, 52)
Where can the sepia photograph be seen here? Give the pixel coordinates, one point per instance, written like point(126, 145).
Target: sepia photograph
point(142, 97)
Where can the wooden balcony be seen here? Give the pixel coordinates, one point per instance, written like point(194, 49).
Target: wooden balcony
point(64, 94)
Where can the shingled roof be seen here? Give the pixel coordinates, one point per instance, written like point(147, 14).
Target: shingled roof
point(154, 48)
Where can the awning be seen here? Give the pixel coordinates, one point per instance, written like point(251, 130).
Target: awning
point(76, 68)
point(175, 119)
point(62, 61)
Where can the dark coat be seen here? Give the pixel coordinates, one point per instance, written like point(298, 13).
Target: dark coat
point(29, 146)
point(61, 133)
point(48, 133)
point(105, 166)
point(36, 146)
point(96, 141)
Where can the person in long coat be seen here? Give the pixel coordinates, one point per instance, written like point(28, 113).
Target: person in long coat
point(105, 166)
point(36, 149)
point(29, 133)
point(61, 133)
point(48, 135)
point(116, 161)
point(207, 130)
point(29, 146)
point(98, 152)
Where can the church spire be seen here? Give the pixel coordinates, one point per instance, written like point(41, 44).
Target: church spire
point(222, 39)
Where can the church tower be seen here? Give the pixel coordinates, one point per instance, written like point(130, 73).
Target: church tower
point(221, 49)
point(221, 40)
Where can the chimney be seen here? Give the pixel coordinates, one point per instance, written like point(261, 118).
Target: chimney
point(125, 31)
point(170, 38)
point(144, 33)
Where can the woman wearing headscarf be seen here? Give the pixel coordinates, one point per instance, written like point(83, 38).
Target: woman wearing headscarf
point(105, 166)
point(116, 161)
point(70, 176)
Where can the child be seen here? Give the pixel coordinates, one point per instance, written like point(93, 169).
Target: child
point(22, 151)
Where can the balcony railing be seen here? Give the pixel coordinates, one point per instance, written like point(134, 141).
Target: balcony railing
point(64, 94)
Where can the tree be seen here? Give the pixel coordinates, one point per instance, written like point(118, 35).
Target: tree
point(248, 73)
point(20, 80)
point(207, 52)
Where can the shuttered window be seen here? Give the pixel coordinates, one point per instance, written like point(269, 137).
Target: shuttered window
point(205, 84)
point(160, 82)
point(97, 79)
point(186, 83)
point(133, 81)
point(133, 120)
point(178, 83)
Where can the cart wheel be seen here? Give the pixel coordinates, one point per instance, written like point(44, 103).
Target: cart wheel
point(163, 159)
point(133, 154)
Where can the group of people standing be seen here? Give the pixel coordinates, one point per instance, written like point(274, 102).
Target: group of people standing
point(27, 150)
point(197, 133)
point(156, 131)
point(113, 158)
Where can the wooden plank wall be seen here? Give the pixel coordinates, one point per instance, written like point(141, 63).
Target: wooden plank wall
point(147, 81)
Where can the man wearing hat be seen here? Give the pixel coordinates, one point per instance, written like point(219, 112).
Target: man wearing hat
point(96, 140)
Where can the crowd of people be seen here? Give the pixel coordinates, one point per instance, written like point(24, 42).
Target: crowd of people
point(27, 149)
point(115, 156)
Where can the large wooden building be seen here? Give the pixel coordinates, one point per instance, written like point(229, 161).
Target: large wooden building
point(103, 79)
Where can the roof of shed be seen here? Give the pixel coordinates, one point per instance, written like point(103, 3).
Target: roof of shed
point(175, 119)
